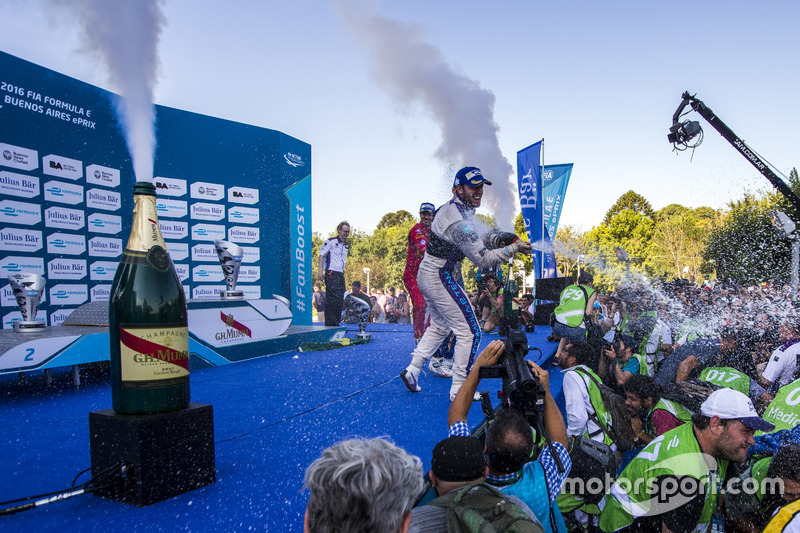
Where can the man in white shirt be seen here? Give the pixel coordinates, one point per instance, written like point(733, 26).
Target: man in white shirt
point(332, 260)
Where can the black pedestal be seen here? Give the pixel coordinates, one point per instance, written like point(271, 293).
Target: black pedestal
point(144, 459)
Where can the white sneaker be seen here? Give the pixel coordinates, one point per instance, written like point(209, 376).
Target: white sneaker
point(438, 367)
point(410, 381)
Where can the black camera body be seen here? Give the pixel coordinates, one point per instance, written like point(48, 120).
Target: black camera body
point(521, 390)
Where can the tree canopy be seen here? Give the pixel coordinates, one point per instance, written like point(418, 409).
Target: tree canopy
point(738, 243)
point(398, 218)
point(632, 201)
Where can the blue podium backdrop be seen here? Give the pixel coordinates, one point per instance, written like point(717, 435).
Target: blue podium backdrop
point(66, 196)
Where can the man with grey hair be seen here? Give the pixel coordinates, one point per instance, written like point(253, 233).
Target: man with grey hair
point(365, 486)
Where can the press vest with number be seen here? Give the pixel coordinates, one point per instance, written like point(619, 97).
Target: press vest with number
point(661, 457)
point(572, 306)
point(784, 409)
point(728, 377)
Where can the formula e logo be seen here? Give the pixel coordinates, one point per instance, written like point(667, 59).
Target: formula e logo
point(102, 223)
point(66, 243)
point(63, 193)
point(293, 159)
point(103, 270)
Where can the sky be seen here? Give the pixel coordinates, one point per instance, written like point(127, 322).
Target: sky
point(394, 97)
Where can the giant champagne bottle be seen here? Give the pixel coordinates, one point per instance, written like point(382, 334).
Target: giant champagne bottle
point(148, 325)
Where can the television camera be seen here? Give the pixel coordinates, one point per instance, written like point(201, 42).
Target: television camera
point(522, 390)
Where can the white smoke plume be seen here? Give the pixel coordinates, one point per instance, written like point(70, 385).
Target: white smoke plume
point(124, 35)
point(413, 70)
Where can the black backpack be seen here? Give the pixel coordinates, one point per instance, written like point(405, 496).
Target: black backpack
point(620, 431)
point(479, 507)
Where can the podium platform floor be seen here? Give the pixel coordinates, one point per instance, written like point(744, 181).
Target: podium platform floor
point(272, 417)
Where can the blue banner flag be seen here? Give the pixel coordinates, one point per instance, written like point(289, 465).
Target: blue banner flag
point(529, 181)
point(555, 179)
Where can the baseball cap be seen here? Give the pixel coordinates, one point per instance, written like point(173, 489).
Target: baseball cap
point(427, 206)
point(729, 404)
point(458, 459)
point(471, 176)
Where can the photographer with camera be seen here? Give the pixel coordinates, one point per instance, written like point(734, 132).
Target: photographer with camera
point(620, 363)
point(589, 428)
point(509, 441)
point(491, 304)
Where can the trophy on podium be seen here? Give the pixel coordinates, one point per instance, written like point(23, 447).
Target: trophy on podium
point(230, 257)
point(28, 289)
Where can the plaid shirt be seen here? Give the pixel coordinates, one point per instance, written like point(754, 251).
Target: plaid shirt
point(555, 479)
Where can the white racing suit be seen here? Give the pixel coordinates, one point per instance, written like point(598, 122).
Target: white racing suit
point(453, 237)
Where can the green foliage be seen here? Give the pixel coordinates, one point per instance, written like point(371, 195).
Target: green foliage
point(740, 244)
point(679, 239)
point(570, 249)
point(383, 252)
point(522, 233)
point(631, 201)
point(628, 229)
point(398, 218)
point(746, 247)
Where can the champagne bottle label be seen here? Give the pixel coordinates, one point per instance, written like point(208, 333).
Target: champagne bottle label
point(154, 357)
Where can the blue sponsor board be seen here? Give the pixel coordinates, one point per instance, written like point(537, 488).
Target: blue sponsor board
point(66, 183)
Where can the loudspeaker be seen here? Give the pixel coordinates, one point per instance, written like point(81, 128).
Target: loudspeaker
point(541, 315)
point(144, 459)
point(550, 288)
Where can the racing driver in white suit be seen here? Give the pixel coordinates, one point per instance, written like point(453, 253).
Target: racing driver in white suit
point(453, 237)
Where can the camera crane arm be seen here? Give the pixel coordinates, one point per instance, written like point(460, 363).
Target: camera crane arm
point(683, 132)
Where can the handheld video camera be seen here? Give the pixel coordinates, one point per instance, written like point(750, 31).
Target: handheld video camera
point(521, 390)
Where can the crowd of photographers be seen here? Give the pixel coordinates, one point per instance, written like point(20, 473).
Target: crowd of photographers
point(681, 405)
point(671, 391)
point(681, 415)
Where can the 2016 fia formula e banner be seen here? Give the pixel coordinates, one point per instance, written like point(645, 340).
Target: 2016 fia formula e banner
point(66, 196)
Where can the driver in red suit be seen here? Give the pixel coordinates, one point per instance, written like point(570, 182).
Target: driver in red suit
point(417, 242)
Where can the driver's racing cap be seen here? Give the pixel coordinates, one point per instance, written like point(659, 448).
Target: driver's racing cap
point(471, 176)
